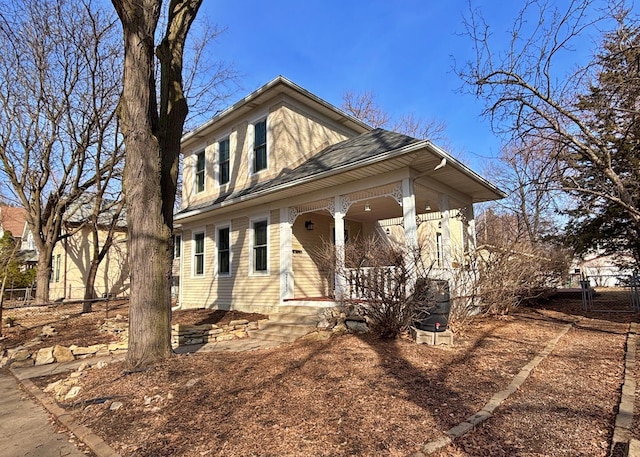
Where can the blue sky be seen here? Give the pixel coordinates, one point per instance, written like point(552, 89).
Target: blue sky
point(402, 50)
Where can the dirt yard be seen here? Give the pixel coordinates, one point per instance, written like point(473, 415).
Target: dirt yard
point(357, 396)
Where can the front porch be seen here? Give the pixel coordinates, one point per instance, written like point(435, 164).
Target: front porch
point(315, 237)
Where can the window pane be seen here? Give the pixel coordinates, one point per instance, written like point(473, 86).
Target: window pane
point(260, 233)
point(223, 262)
point(260, 134)
point(223, 239)
point(199, 264)
point(224, 172)
point(260, 159)
point(199, 237)
point(261, 258)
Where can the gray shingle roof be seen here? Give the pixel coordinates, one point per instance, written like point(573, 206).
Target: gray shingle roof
point(360, 148)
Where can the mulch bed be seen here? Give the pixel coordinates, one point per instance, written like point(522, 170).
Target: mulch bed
point(357, 395)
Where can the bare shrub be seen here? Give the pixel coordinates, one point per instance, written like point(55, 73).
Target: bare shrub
point(386, 283)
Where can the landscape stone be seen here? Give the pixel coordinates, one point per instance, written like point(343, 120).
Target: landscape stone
point(73, 392)
point(44, 356)
point(62, 354)
point(22, 363)
point(357, 326)
point(238, 322)
point(116, 405)
point(20, 355)
point(48, 330)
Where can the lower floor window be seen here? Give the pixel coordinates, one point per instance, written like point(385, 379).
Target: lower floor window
point(223, 251)
point(260, 246)
point(198, 254)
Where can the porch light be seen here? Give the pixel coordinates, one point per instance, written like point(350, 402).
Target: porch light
point(367, 207)
point(427, 207)
point(308, 225)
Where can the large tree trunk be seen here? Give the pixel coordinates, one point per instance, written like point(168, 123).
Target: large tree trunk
point(89, 286)
point(43, 276)
point(149, 260)
point(152, 135)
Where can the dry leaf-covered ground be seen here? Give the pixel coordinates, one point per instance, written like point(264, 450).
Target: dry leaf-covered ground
point(355, 395)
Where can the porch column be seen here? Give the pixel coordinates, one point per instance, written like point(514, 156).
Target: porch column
point(339, 212)
point(286, 255)
point(412, 260)
point(409, 215)
point(445, 230)
point(470, 229)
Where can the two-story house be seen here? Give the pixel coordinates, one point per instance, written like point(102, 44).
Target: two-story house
point(272, 177)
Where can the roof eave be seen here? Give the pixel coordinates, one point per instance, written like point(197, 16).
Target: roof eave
point(307, 179)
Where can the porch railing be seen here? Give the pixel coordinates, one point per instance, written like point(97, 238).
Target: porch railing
point(374, 283)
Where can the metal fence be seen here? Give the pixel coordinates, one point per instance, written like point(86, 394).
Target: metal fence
point(629, 282)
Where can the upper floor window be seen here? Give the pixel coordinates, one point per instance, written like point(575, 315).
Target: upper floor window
point(224, 252)
point(198, 254)
point(260, 248)
point(223, 161)
point(260, 146)
point(200, 171)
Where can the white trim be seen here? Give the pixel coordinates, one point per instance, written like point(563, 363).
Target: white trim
point(194, 232)
point(340, 210)
point(252, 220)
point(287, 280)
point(223, 225)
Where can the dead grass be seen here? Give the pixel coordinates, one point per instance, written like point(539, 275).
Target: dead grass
point(353, 395)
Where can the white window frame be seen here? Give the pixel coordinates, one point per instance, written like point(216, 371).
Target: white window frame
point(251, 133)
point(195, 232)
point(252, 271)
point(224, 225)
point(195, 172)
point(217, 159)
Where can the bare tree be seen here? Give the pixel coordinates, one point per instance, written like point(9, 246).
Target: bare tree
point(363, 106)
point(533, 184)
point(152, 123)
point(58, 91)
point(587, 116)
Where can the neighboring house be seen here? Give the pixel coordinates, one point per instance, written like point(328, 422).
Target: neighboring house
point(272, 177)
point(14, 220)
point(72, 256)
point(601, 269)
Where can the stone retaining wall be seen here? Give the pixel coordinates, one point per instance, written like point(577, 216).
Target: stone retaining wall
point(181, 335)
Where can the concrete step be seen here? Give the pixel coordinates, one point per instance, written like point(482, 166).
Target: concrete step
point(289, 323)
point(293, 318)
point(281, 332)
point(286, 329)
point(307, 308)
